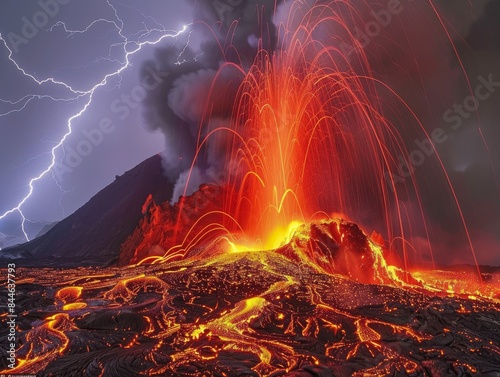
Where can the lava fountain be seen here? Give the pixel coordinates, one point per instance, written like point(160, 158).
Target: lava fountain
point(307, 138)
point(268, 279)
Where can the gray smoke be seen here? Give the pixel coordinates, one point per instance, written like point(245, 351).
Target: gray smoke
point(223, 31)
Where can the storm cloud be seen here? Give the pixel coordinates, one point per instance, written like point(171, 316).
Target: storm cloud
point(193, 98)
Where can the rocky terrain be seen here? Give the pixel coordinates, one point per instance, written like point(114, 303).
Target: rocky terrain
point(251, 313)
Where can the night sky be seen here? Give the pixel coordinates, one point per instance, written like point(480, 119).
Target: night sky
point(152, 106)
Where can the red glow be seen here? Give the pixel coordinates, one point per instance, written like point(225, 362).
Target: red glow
point(307, 140)
point(307, 137)
point(268, 267)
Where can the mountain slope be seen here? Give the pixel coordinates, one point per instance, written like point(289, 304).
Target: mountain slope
point(95, 232)
point(11, 233)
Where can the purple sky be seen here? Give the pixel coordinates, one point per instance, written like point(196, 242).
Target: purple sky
point(80, 60)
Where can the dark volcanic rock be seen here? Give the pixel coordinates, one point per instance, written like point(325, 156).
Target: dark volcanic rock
point(244, 314)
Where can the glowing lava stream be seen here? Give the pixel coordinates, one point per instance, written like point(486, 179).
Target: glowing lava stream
point(305, 141)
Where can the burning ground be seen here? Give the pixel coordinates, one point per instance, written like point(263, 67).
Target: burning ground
point(223, 311)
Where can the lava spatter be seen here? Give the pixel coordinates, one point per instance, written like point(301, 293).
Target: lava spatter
point(274, 312)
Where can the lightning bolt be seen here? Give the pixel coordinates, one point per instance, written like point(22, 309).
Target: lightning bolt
point(130, 48)
point(24, 101)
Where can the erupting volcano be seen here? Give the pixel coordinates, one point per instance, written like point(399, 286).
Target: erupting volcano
point(268, 269)
point(322, 304)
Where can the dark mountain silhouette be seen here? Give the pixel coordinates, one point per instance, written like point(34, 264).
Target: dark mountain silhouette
point(46, 229)
point(11, 232)
point(94, 233)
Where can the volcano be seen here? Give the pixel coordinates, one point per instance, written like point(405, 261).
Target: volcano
point(260, 274)
point(324, 303)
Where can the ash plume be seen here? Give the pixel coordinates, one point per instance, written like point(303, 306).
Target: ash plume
point(221, 33)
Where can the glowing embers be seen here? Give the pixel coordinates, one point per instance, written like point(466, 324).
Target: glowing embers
point(69, 297)
point(44, 343)
point(306, 138)
point(250, 312)
point(462, 283)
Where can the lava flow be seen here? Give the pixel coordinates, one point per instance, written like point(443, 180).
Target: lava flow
point(260, 275)
point(299, 310)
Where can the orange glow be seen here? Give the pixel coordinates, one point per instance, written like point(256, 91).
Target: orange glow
point(75, 306)
point(269, 271)
point(69, 294)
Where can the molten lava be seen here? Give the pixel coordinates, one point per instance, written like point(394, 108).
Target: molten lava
point(322, 303)
point(254, 276)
